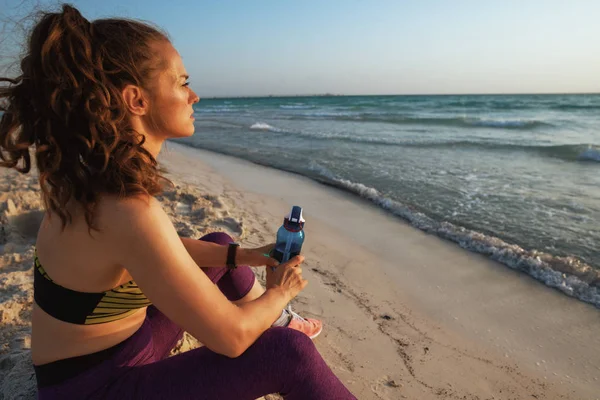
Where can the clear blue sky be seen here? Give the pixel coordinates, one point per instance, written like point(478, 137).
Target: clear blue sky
point(259, 47)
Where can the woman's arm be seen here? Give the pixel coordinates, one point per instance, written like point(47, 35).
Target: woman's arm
point(143, 240)
point(207, 254)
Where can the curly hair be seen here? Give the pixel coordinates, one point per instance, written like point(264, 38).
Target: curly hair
point(66, 105)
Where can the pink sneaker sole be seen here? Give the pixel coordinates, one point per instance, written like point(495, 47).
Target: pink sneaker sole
point(310, 327)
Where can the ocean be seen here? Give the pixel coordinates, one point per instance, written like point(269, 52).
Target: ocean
point(514, 177)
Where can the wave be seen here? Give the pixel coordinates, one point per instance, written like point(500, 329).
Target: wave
point(590, 154)
point(299, 106)
point(567, 274)
point(261, 126)
point(219, 122)
point(510, 124)
point(566, 152)
point(576, 107)
point(216, 109)
point(489, 105)
point(456, 121)
point(519, 105)
point(327, 114)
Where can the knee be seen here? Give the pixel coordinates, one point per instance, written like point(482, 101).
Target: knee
point(217, 237)
point(298, 348)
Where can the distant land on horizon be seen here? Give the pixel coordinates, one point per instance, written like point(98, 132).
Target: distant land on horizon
point(283, 96)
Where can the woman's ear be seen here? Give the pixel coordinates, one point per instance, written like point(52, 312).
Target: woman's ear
point(134, 100)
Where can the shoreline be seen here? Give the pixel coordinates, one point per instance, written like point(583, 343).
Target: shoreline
point(569, 274)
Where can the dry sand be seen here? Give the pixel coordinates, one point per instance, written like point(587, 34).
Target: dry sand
point(406, 314)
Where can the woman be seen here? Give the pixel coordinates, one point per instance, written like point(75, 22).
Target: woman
point(114, 284)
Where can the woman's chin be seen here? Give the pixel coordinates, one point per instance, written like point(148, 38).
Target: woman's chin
point(184, 134)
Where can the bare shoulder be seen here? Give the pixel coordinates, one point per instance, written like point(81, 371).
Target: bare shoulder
point(113, 207)
point(124, 214)
point(133, 223)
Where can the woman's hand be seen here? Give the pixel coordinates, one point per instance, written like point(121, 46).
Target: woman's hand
point(257, 257)
point(287, 276)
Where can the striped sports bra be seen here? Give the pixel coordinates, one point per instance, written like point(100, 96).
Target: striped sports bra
point(85, 308)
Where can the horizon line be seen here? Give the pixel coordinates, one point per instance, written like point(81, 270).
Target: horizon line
point(383, 95)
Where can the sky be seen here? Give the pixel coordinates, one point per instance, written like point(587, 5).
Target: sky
point(267, 47)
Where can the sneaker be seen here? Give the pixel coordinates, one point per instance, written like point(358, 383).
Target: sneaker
point(311, 327)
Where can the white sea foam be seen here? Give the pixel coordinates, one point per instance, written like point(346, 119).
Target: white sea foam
point(297, 106)
point(498, 123)
point(330, 114)
point(261, 126)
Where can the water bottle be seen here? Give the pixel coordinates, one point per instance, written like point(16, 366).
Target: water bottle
point(290, 236)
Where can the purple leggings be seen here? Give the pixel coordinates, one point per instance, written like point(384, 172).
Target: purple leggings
point(282, 361)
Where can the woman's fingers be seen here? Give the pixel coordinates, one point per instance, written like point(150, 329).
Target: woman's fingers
point(296, 261)
point(270, 262)
point(288, 275)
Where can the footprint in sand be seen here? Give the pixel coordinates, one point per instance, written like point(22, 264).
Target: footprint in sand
point(215, 200)
point(19, 224)
point(201, 214)
point(388, 388)
point(27, 223)
point(230, 224)
point(19, 376)
point(184, 229)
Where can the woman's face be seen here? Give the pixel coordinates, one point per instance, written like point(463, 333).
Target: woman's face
point(170, 98)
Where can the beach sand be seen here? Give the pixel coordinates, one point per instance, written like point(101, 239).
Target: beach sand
point(406, 314)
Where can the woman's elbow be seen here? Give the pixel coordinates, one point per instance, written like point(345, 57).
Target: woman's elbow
point(234, 349)
point(234, 345)
point(240, 343)
point(235, 352)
